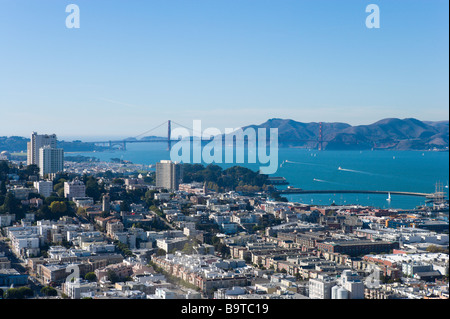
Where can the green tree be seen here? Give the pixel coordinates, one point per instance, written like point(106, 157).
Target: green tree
point(3, 189)
point(59, 187)
point(118, 181)
point(12, 205)
point(31, 170)
point(4, 169)
point(112, 276)
point(90, 276)
point(58, 207)
point(125, 206)
point(188, 248)
point(160, 252)
point(18, 293)
point(49, 291)
point(93, 188)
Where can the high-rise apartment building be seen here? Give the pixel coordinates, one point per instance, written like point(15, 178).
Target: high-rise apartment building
point(169, 174)
point(36, 142)
point(42, 151)
point(51, 160)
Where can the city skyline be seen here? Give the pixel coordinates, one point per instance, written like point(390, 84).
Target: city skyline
point(131, 66)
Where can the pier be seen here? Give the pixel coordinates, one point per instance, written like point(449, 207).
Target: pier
point(336, 191)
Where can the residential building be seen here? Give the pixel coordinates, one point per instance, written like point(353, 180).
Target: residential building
point(37, 142)
point(114, 227)
point(73, 189)
point(320, 288)
point(357, 247)
point(51, 160)
point(45, 188)
point(171, 244)
point(168, 174)
point(122, 270)
point(83, 201)
point(79, 288)
point(23, 193)
point(7, 219)
point(11, 277)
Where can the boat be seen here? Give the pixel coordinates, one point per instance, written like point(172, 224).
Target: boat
point(389, 197)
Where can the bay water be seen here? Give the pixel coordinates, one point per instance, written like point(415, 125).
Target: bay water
point(406, 171)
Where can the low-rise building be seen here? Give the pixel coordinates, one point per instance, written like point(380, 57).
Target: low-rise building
point(320, 288)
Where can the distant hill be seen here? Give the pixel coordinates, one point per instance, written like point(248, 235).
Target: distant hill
point(151, 138)
point(13, 143)
point(386, 134)
point(18, 144)
point(390, 133)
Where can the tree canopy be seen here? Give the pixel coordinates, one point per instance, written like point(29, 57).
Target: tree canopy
point(234, 178)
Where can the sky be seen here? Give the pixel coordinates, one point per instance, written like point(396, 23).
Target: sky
point(132, 65)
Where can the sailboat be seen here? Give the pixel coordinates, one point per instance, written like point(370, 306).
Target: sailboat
point(389, 197)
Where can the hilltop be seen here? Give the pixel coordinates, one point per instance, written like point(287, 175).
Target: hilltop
point(389, 133)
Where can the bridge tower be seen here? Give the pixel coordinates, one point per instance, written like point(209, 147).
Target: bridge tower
point(169, 129)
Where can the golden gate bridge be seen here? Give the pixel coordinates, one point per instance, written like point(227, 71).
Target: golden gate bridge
point(122, 144)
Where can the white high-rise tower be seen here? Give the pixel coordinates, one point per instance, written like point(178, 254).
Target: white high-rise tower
point(51, 160)
point(168, 174)
point(36, 142)
point(42, 151)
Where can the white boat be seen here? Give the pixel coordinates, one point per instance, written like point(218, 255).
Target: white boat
point(389, 197)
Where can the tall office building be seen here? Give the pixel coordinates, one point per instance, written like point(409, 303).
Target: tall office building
point(36, 142)
point(168, 175)
point(51, 160)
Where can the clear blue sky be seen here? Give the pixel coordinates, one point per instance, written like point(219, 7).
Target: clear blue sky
point(137, 63)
